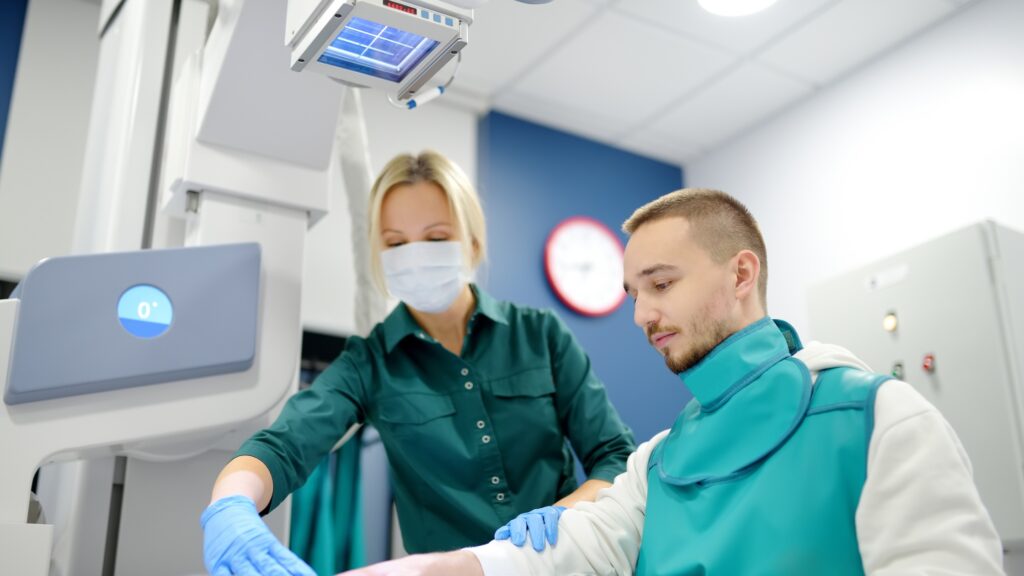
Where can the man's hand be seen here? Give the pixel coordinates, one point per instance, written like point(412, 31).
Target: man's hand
point(458, 563)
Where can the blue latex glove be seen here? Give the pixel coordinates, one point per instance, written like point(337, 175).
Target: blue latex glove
point(540, 523)
point(236, 541)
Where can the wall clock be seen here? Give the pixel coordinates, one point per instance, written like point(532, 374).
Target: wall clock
point(583, 263)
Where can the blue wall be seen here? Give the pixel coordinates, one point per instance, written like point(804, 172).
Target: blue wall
point(12, 21)
point(531, 178)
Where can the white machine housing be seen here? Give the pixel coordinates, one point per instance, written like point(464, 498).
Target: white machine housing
point(231, 173)
point(313, 25)
point(958, 303)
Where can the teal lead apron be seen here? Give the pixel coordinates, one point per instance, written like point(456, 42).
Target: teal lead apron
point(761, 473)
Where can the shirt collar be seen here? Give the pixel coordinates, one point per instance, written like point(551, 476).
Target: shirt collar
point(400, 324)
point(739, 360)
point(488, 306)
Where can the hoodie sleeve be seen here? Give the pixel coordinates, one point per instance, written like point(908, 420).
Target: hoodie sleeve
point(818, 356)
point(920, 512)
point(601, 537)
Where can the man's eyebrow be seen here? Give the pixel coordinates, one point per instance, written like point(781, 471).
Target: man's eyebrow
point(658, 268)
point(651, 270)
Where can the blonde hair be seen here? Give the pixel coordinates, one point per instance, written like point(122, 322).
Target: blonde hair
point(719, 223)
point(430, 166)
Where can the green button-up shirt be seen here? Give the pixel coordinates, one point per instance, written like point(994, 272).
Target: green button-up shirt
point(472, 440)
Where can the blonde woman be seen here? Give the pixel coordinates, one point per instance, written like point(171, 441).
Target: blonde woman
point(476, 400)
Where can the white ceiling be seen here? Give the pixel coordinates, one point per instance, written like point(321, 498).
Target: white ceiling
point(664, 78)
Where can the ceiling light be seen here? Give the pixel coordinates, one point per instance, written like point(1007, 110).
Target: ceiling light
point(733, 8)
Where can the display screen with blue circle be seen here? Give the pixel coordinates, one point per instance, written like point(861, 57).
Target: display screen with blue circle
point(145, 311)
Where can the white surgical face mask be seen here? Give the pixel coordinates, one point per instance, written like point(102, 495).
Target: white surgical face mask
point(427, 276)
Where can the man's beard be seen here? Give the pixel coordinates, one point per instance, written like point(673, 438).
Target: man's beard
point(704, 334)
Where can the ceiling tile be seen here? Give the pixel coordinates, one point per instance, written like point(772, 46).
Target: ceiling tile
point(737, 101)
point(849, 34)
point(737, 35)
point(614, 70)
point(620, 67)
point(661, 146)
point(498, 49)
point(564, 116)
point(596, 127)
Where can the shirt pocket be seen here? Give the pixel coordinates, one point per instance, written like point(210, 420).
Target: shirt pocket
point(532, 384)
point(525, 419)
point(415, 409)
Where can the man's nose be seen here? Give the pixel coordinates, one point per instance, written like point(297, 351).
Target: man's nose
point(643, 314)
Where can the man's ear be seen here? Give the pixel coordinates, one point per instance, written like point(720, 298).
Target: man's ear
point(747, 267)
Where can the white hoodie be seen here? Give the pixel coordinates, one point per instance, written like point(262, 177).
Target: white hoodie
point(919, 512)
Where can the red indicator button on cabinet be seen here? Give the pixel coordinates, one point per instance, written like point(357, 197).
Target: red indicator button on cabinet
point(928, 363)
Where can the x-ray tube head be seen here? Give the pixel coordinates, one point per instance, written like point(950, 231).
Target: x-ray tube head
point(396, 46)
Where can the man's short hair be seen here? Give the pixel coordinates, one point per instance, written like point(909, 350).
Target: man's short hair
point(719, 223)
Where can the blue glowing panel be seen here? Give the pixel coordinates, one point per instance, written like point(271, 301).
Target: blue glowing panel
point(145, 311)
point(377, 50)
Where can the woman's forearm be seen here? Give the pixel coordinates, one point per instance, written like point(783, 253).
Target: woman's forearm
point(245, 476)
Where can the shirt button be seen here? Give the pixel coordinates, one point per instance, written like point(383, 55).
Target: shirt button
point(486, 439)
point(500, 497)
point(469, 385)
point(480, 424)
point(465, 371)
point(495, 479)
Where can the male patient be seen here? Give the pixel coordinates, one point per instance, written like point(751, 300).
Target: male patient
point(790, 459)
